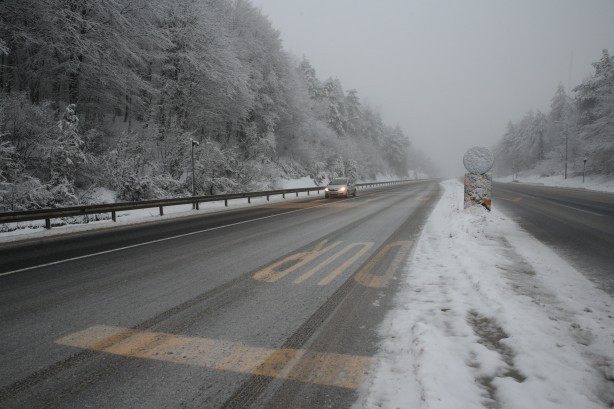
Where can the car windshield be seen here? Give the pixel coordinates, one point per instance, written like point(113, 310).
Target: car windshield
point(339, 182)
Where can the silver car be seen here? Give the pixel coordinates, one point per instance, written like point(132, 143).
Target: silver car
point(340, 187)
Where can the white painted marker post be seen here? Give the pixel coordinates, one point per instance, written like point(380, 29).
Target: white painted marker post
point(478, 182)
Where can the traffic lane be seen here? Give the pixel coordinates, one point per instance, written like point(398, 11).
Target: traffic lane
point(255, 314)
point(27, 253)
point(54, 279)
point(351, 328)
point(588, 201)
point(579, 229)
point(153, 278)
point(140, 287)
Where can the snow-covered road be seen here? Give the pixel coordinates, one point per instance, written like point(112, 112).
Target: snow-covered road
point(490, 317)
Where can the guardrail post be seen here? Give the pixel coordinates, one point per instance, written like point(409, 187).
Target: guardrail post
point(196, 205)
point(296, 194)
point(113, 216)
point(308, 193)
point(267, 198)
point(161, 210)
point(283, 195)
point(47, 223)
point(249, 199)
point(226, 202)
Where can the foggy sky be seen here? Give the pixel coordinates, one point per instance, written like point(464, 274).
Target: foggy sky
point(452, 73)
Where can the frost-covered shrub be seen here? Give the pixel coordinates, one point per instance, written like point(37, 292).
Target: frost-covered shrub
point(28, 193)
point(134, 188)
point(318, 173)
point(165, 186)
point(41, 156)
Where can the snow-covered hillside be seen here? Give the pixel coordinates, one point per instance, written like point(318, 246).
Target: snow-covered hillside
point(203, 80)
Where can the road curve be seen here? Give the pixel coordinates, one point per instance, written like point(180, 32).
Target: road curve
point(577, 223)
point(270, 306)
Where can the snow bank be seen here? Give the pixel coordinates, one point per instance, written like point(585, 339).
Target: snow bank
point(380, 177)
point(35, 229)
point(600, 183)
point(297, 183)
point(307, 181)
point(490, 317)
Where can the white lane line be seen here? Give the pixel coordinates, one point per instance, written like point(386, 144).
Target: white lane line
point(580, 210)
point(557, 204)
point(53, 263)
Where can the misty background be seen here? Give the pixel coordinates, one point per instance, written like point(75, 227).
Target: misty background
point(128, 100)
point(450, 73)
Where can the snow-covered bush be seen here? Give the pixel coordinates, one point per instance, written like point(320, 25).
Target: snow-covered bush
point(41, 156)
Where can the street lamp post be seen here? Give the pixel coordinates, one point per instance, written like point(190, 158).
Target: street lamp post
point(566, 145)
point(193, 143)
point(566, 133)
point(583, 169)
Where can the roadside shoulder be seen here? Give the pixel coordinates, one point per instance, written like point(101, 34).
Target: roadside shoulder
point(491, 317)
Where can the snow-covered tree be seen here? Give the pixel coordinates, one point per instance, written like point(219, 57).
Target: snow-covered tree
point(106, 93)
point(574, 129)
point(595, 99)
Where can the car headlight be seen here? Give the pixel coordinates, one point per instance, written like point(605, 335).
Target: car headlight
point(326, 189)
point(342, 189)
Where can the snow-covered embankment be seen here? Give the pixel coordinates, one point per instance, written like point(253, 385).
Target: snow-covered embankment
point(490, 317)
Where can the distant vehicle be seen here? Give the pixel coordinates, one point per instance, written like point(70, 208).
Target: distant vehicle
point(340, 187)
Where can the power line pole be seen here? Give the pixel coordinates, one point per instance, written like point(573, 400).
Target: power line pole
point(566, 146)
point(193, 143)
point(570, 69)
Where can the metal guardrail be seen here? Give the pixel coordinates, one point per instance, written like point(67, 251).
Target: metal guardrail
point(113, 208)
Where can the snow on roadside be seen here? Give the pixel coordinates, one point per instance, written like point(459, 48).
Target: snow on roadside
point(380, 177)
point(592, 182)
point(490, 317)
point(35, 229)
point(297, 183)
point(307, 181)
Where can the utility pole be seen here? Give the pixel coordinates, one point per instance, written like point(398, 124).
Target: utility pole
point(570, 69)
point(583, 170)
point(566, 146)
point(193, 143)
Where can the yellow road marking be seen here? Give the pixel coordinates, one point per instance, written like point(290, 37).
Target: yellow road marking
point(271, 273)
point(333, 274)
point(515, 200)
point(322, 265)
point(340, 370)
point(365, 276)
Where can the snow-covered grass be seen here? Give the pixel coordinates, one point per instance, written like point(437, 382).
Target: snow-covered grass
point(602, 183)
point(490, 317)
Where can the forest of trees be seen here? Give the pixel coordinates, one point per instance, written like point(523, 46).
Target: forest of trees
point(583, 123)
point(109, 93)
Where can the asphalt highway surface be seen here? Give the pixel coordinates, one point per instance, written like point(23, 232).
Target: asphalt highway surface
point(577, 223)
point(268, 306)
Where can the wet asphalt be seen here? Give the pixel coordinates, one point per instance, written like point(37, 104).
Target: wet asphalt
point(577, 223)
point(267, 306)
